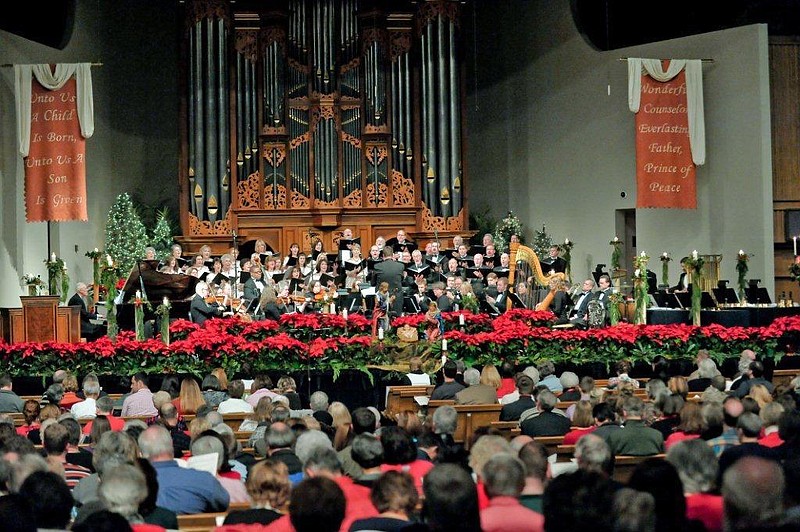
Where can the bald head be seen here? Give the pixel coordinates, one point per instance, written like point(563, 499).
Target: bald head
point(156, 444)
point(752, 491)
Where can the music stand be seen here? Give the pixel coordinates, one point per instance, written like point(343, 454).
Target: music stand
point(706, 301)
point(725, 296)
point(684, 300)
point(516, 302)
point(757, 296)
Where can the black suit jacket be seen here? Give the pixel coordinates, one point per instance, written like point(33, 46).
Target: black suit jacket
point(391, 271)
point(580, 312)
point(201, 311)
point(87, 327)
point(558, 265)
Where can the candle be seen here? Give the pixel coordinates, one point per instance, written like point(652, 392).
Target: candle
point(109, 261)
point(166, 301)
point(616, 239)
point(642, 254)
point(694, 254)
point(53, 257)
point(461, 319)
point(344, 314)
point(444, 345)
point(138, 294)
point(794, 239)
point(566, 241)
point(96, 250)
point(380, 333)
point(333, 308)
point(665, 255)
point(741, 252)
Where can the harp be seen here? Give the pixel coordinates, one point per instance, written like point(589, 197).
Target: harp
point(524, 264)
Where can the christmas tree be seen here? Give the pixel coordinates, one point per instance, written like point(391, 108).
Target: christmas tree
point(542, 242)
point(161, 239)
point(126, 236)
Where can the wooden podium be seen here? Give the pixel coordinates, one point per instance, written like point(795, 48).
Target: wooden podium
point(41, 320)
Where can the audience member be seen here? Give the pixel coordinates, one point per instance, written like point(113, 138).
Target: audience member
point(755, 375)
point(582, 422)
point(235, 404)
point(451, 500)
point(504, 478)
point(752, 493)
point(91, 391)
point(395, 497)
point(691, 425)
point(268, 486)
point(9, 401)
point(449, 388)
point(698, 469)
point(477, 391)
point(50, 499)
point(56, 439)
point(660, 479)
point(545, 422)
point(512, 411)
point(182, 490)
point(580, 500)
point(317, 504)
point(537, 472)
point(547, 376)
point(635, 438)
point(140, 401)
point(732, 408)
point(748, 428)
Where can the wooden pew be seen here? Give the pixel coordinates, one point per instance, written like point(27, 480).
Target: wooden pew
point(550, 443)
point(510, 429)
point(470, 417)
point(200, 522)
point(784, 376)
point(401, 398)
point(565, 453)
point(625, 464)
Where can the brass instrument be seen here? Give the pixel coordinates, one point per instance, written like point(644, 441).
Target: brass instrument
point(526, 260)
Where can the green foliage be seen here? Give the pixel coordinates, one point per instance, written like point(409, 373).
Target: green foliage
point(510, 225)
point(542, 242)
point(161, 237)
point(126, 236)
point(481, 222)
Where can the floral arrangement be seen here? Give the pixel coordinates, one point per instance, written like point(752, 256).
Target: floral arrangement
point(616, 252)
point(566, 249)
point(298, 341)
point(640, 287)
point(665, 260)
point(695, 263)
point(614, 301)
point(741, 269)
point(470, 302)
point(510, 225)
point(34, 284)
point(57, 277)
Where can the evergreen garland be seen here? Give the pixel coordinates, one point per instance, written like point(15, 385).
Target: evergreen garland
point(126, 236)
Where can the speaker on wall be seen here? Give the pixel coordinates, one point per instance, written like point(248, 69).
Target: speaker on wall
point(791, 223)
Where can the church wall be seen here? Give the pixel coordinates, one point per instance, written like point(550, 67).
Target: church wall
point(548, 115)
point(135, 144)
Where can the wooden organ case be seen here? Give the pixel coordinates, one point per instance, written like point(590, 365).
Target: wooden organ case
point(303, 117)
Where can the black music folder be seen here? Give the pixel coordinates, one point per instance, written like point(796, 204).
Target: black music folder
point(472, 272)
point(350, 265)
point(413, 269)
point(325, 278)
point(344, 243)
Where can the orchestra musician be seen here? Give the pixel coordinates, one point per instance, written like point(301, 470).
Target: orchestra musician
point(444, 300)
point(89, 330)
point(254, 285)
point(201, 307)
point(270, 305)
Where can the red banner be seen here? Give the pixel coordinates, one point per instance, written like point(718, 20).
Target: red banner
point(55, 168)
point(665, 173)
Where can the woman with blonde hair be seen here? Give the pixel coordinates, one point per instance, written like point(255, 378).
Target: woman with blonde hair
point(342, 423)
point(70, 385)
point(288, 388)
point(190, 398)
point(760, 394)
point(491, 377)
point(268, 486)
point(582, 422)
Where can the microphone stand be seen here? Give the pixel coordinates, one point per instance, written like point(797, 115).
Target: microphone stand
point(235, 268)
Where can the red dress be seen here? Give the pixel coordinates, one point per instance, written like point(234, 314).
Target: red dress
point(572, 437)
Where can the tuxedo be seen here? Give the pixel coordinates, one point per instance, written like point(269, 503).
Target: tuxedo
point(561, 304)
point(558, 265)
point(683, 284)
point(501, 301)
point(251, 289)
point(578, 314)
